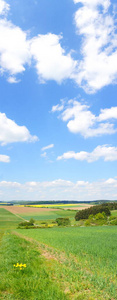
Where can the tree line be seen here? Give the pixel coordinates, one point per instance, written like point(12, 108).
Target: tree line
point(93, 210)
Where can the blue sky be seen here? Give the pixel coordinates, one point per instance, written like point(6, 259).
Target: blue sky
point(58, 113)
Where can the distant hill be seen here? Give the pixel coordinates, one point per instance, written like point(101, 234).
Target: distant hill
point(29, 202)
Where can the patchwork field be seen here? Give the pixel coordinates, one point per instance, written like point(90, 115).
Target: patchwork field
point(39, 213)
point(78, 263)
point(62, 206)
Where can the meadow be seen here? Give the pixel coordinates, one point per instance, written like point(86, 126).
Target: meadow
point(78, 263)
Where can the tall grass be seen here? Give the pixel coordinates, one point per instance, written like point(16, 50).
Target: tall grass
point(95, 250)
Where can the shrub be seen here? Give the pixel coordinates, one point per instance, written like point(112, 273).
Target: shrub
point(26, 224)
point(91, 217)
point(87, 223)
point(112, 218)
point(32, 221)
point(113, 222)
point(100, 216)
point(63, 221)
point(23, 223)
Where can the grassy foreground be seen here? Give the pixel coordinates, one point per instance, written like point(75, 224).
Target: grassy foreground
point(94, 250)
point(32, 282)
point(74, 263)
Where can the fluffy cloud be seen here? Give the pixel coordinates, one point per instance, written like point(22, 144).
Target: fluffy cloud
point(10, 132)
point(14, 49)
point(47, 147)
point(51, 61)
point(106, 152)
point(4, 7)
point(81, 120)
point(108, 113)
point(98, 67)
point(4, 158)
point(59, 190)
point(45, 51)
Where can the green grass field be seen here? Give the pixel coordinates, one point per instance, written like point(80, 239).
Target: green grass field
point(114, 213)
point(78, 263)
point(8, 220)
point(49, 215)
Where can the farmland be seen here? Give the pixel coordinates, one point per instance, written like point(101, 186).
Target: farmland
point(76, 263)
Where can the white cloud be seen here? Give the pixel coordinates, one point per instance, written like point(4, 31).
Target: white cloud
point(106, 152)
point(10, 184)
point(44, 51)
point(98, 67)
point(4, 7)
point(12, 79)
point(81, 120)
point(111, 181)
point(59, 189)
point(47, 147)
point(57, 108)
point(108, 113)
point(51, 61)
point(14, 49)
point(4, 158)
point(10, 132)
point(93, 3)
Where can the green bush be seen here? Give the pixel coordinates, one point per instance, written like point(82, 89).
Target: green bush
point(112, 218)
point(113, 222)
point(91, 217)
point(87, 223)
point(32, 221)
point(100, 216)
point(63, 221)
point(26, 224)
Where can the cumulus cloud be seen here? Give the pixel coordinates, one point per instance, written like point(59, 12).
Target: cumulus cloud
point(47, 147)
point(106, 152)
point(98, 67)
point(51, 61)
point(10, 132)
point(81, 120)
point(108, 113)
point(4, 158)
point(59, 189)
point(44, 51)
point(14, 49)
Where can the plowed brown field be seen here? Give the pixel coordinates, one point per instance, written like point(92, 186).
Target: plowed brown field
point(26, 210)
